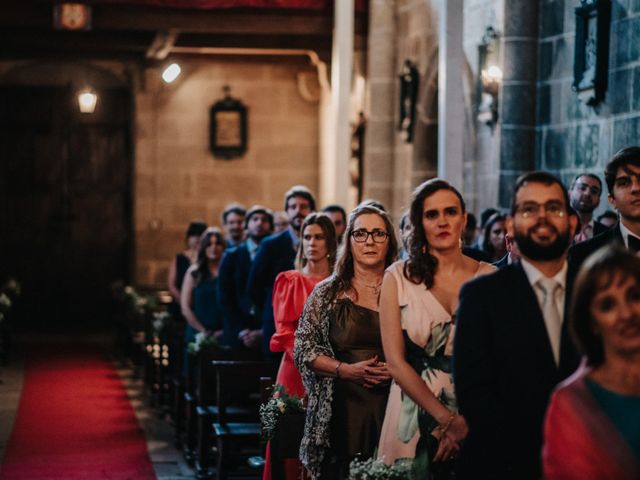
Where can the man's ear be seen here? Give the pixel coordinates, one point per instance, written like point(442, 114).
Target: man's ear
point(509, 226)
point(612, 201)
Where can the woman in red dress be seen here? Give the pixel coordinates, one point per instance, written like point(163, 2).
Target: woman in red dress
point(315, 260)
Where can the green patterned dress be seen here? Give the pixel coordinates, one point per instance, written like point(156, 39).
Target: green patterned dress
point(428, 330)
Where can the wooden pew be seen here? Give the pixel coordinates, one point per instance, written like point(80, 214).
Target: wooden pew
point(238, 384)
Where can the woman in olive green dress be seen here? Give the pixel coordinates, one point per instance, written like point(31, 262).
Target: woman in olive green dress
point(338, 351)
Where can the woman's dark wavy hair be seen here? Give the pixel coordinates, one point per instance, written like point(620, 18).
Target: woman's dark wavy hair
point(202, 271)
point(329, 230)
point(421, 266)
point(344, 271)
point(597, 273)
point(486, 242)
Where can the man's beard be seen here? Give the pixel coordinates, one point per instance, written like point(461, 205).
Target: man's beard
point(296, 222)
point(258, 238)
point(530, 249)
point(587, 209)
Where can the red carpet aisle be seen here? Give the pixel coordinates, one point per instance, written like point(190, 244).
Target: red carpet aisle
point(74, 421)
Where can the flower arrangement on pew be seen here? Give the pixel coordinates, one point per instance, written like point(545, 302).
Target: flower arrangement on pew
point(202, 340)
point(5, 302)
point(138, 302)
point(279, 404)
point(11, 287)
point(376, 469)
point(160, 321)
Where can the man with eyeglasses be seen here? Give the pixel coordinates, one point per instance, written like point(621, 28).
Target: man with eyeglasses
point(511, 346)
point(584, 196)
point(622, 176)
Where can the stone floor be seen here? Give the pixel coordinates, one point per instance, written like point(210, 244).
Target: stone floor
point(168, 462)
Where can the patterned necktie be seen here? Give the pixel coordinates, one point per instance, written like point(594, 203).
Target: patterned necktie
point(634, 243)
point(552, 317)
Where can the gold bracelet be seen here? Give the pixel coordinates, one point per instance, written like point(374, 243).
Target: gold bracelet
point(446, 426)
point(337, 369)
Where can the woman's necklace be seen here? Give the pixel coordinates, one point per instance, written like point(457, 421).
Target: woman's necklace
point(375, 288)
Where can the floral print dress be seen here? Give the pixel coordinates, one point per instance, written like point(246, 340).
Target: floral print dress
point(428, 331)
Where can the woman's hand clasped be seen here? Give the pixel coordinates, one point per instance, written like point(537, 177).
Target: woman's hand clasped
point(451, 434)
point(368, 373)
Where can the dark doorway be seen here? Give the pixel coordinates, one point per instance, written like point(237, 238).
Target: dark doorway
point(65, 201)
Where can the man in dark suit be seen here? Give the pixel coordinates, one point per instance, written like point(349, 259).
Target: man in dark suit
point(242, 327)
point(584, 198)
point(512, 255)
point(511, 345)
point(277, 254)
point(622, 175)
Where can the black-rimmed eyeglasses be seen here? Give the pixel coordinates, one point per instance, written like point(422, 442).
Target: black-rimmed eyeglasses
point(361, 236)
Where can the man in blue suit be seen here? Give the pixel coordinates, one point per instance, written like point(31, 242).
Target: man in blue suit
point(242, 327)
point(511, 346)
point(277, 254)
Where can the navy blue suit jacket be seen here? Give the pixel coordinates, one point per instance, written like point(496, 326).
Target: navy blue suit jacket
point(580, 251)
point(232, 284)
point(504, 373)
point(275, 255)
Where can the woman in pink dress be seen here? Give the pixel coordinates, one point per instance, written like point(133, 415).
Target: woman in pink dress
point(418, 304)
point(315, 260)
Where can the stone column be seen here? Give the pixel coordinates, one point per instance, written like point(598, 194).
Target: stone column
point(341, 75)
point(517, 107)
point(451, 119)
point(380, 106)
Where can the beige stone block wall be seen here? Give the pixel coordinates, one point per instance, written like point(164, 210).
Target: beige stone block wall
point(177, 178)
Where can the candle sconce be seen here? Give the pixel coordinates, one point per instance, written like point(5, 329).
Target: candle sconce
point(489, 78)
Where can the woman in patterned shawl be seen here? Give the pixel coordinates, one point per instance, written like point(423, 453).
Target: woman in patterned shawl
point(338, 350)
point(417, 316)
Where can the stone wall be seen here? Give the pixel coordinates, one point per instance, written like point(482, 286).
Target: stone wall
point(571, 136)
point(176, 176)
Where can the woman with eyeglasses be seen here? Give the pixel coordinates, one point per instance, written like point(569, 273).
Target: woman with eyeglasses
point(338, 350)
point(418, 302)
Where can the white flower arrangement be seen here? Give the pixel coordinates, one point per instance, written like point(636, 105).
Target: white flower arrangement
point(376, 469)
point(160, 320)
point(5, 301)
point(201, 341)
point(12, 286)
point(279, 404)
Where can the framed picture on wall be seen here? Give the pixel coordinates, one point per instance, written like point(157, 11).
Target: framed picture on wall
point(228, 127)
point(591, 60)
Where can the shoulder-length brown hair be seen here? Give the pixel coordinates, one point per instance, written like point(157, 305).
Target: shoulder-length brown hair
point(597, 273)
point(329, 231)
point(344, 269)
point(202, 271)
point(421, 266)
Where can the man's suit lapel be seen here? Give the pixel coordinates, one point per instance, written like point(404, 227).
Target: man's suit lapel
point(527, 303)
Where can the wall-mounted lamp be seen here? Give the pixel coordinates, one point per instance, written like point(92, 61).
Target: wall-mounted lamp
point(87, 100)
point(171, 73)
point(489, 78)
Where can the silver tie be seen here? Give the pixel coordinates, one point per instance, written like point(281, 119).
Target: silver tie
point(552, 317)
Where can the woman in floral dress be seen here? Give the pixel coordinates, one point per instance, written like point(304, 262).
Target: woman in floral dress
point(417, 318)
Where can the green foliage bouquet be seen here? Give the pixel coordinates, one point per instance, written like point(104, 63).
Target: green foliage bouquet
point(202, 340)
point(279, 404)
